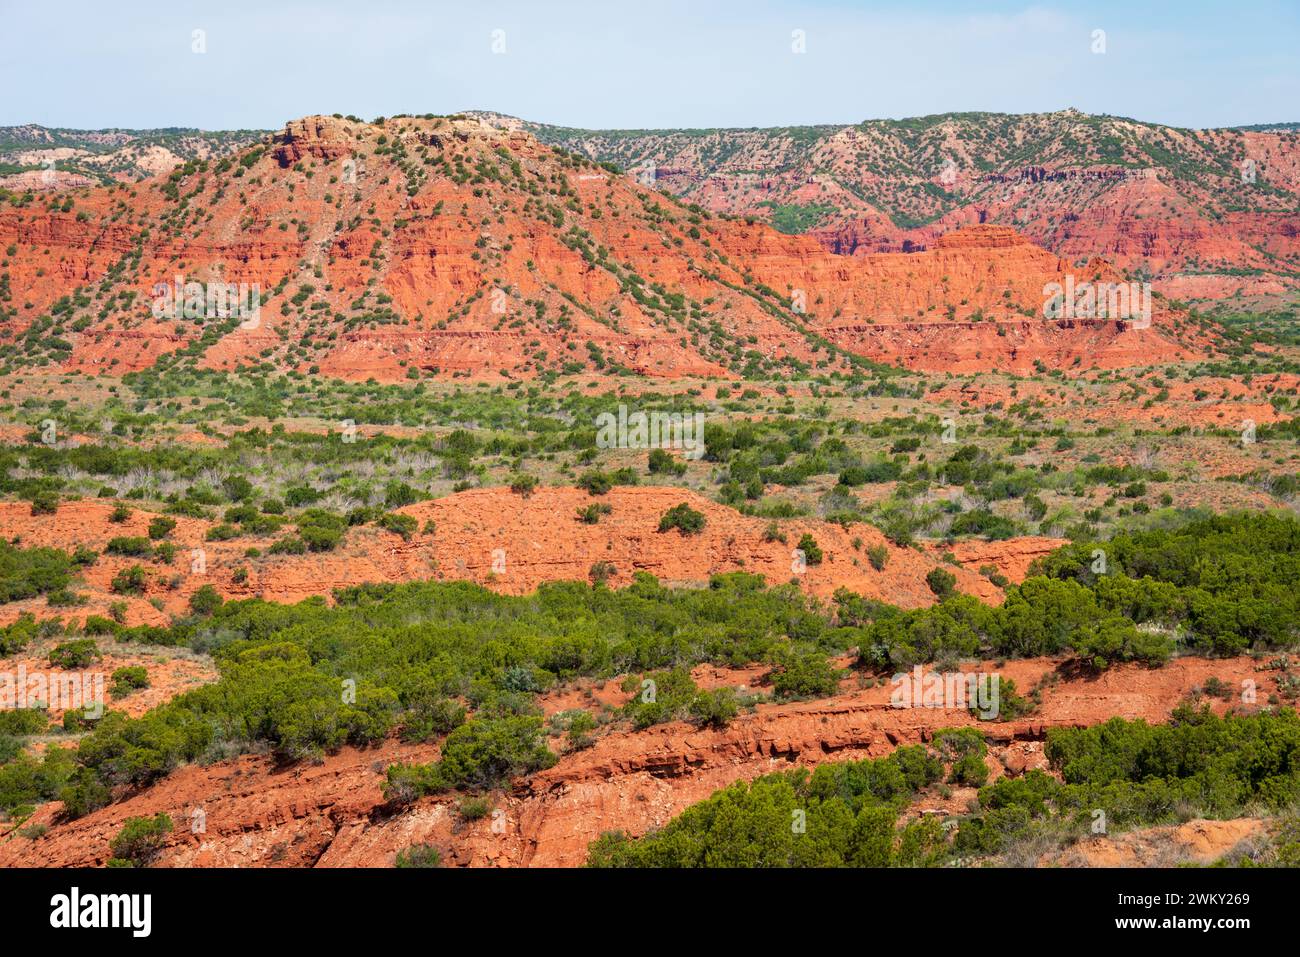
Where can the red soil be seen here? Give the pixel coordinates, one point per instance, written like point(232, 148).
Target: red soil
point(530, 540)
point(171, 672)
point(1011, 557)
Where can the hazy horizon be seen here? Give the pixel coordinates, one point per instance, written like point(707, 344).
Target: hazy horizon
point(617, 129)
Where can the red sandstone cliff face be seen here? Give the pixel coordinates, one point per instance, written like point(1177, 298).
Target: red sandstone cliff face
point(1010, 346)
point(1189, 255)
point(974, 301)
point(451, 247)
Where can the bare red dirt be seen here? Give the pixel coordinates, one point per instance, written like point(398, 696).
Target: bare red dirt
point(1011, 557)
point(171, 672)
point(1200, 841)
point(497, 538)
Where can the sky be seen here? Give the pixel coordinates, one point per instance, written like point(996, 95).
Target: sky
point(239, 64)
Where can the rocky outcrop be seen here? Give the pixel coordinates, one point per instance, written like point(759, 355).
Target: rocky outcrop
point(1016, 346)
point(323, 137)
point(1011, 557)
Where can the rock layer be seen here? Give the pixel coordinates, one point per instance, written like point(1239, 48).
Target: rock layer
point(450, 247)
point(331, 814)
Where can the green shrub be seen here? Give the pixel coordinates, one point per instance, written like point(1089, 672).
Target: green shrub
point(942, 582)
point(160, 527)
point(715, 709)
point(419, 855)
point(840, 815)
point(76, 720)
point(399, 524)
point(659, 697)
point(289, 545)
point(663, 463)
point(580, 726)
point(878, 556)
point(237, 488)
point(479, 755)
point(134, 546)
point(984, 523)
point(523, 484)
point(684, 518)
point(141, 839)
point(26, 781)
point(595, 482)
point(1142, 775)
point(398, 494)
point(130, 581)
point(222, 532)
point(432, 716)
point(590, 514)
point(205, 600)
point(321, 530)
point(19, 722)
point(1118, 639)
point(804, 673)
point(128, 679)
point(1010, 704)
point(28, 572)
point(812, 552)
point(970, 771)
point(72, 655)
point(17, 635)
point(83, 794)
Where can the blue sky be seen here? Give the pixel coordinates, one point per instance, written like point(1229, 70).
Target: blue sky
point(648, 63)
